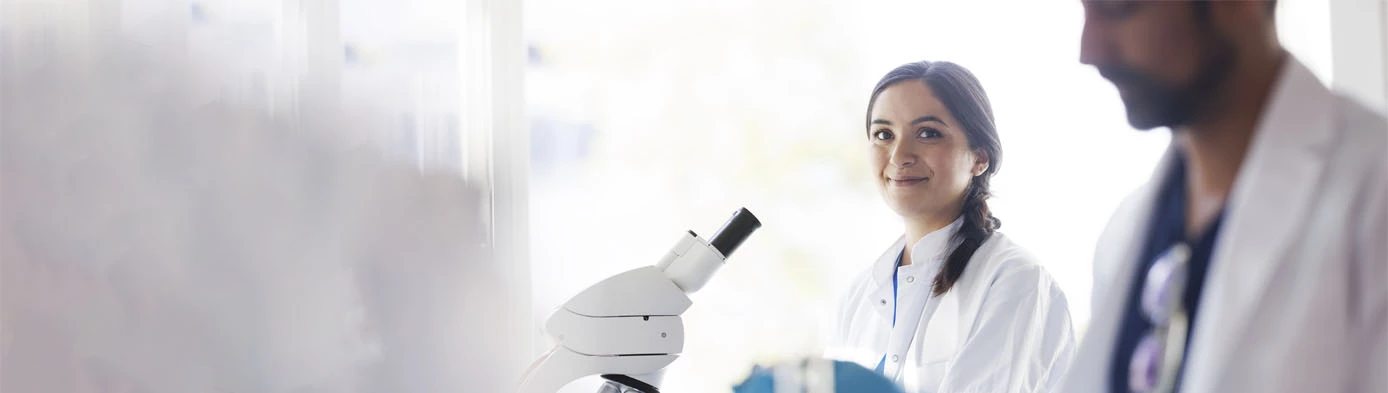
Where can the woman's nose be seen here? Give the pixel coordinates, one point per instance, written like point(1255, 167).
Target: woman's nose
point(902, 155)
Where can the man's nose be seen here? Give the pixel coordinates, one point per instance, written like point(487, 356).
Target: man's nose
point(1095, 48)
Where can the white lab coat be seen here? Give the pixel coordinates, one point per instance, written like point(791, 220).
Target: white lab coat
point(1295, 299)
point(1003, 327)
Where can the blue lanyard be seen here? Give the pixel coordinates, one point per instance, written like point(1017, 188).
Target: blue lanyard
point(881, 365)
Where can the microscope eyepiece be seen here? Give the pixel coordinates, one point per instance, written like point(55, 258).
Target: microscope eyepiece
point(734, 232)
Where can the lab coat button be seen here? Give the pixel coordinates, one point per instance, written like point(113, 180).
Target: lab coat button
point(893, 358)
point(883, 302)
point(910, 279)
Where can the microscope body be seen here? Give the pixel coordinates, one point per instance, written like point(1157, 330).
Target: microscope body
point(627, 327)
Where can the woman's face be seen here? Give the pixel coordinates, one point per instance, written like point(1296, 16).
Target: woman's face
point(920, 154)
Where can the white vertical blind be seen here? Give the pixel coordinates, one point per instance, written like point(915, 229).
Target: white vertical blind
point(491, 60)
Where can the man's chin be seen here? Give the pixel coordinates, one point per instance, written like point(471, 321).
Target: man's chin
point(1144, 118)
point(1143, 123)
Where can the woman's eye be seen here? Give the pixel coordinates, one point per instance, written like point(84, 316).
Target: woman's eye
point(928, 132)
point(882, 135)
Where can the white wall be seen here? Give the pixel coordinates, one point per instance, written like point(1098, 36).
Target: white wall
point(1359, 38)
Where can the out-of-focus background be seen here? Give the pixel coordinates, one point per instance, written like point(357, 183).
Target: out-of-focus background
point(591, 135)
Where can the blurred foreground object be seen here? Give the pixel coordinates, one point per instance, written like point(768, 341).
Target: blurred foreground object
point(155, 239)
point(815, 376)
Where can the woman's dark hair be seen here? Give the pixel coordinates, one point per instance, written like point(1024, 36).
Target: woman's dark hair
point(961, 93)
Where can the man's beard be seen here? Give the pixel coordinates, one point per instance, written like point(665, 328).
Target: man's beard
point(1152, 103)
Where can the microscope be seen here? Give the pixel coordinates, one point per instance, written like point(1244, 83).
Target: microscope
point(627, 328)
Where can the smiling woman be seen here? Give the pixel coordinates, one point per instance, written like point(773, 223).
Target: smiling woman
point(934, 147)
point(959, 158)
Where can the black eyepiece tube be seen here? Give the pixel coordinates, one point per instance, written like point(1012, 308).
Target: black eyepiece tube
point(733, 232)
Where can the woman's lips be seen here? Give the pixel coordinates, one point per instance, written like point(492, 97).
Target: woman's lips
point(907, 181)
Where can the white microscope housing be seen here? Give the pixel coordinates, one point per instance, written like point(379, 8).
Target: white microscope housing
point(627, 328)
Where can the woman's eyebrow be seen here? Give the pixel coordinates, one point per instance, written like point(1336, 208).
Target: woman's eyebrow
point(920, 120)
point(927, 118)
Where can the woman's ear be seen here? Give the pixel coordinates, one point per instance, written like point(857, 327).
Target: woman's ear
point(980, 162)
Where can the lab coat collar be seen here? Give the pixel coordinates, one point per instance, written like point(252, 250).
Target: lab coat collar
point(928, 252)
point(1270, 200)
